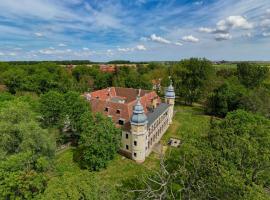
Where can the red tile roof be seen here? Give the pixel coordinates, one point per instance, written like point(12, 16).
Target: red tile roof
point(111, 98)
point(107, 68)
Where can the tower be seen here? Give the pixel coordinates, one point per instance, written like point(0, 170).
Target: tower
point(138, 132)
point(170, 99)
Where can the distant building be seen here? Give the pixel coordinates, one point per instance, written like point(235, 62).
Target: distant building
point(140, 113)
point(107, 68)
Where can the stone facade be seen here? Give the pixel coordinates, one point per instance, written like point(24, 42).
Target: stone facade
point(145, 120)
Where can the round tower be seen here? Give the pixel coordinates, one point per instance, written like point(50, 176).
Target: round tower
point(138, 132)
point(170, 99)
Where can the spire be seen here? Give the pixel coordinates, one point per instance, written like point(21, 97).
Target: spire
point(170, 90)
point(138, 117)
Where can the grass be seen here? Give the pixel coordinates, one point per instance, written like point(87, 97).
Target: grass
point(188, 122)
point(118, 169)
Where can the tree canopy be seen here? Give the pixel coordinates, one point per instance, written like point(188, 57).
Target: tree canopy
point(99, 142)
point(190, 76)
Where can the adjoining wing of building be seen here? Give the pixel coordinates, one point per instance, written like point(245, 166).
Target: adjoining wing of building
point(141, 115)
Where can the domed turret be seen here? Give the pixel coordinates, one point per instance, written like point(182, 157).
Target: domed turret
point(170, 94)
point(138, 117)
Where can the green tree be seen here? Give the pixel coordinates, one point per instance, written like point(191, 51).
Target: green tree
point(52, 105)
point(243, 142)
point(226, 98)
point(190, 77)
point(26, 151)
point(99, 142)
point(83, 185)
point(20, 132)
point(230, 162)
point(18, 179)
point(257, 101)
point(251, 75)
point(75, 107)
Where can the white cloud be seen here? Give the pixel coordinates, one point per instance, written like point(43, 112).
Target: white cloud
point(62, 45)
point(2, 54)
point(206, 30)
point(190, 38)
point(159, 39)
point(141, 47)
point(223, 36)
point(266, 34)
point(233, 22)
point(178, 44)
point(39, 34)
point(198, 3)
point(124, 49)
point(12, 54)
point(85, 49)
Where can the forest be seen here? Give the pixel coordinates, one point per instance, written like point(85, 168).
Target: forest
point(222, 118)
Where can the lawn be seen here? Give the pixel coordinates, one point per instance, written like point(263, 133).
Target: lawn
point(188, 121)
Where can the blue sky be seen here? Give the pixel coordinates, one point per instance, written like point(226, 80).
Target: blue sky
point(138, 30)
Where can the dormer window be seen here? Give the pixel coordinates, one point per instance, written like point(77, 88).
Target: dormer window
point(118, 111)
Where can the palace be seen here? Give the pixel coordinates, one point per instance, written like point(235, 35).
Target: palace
point(141, 114)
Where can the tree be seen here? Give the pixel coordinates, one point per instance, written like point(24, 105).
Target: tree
point(52, 105)
point(20, 132)
point(39, 78)
point(251, 75)
point(257, 101)
point(25, 152)
point(18, 179)
point(231, 162)
point(99, 142)
point(75, 107)
point(190, 77)
point(82, 185)
point(243, 141)
point(226, 98)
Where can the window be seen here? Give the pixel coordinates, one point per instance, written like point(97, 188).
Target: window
point(135, 154)
point(135, 143)
point(126, 136)
point(126, 146)
point(121, 122)
point(106, 109)
point(118, 111)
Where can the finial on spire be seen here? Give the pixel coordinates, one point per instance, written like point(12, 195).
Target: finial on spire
point(170, 80)
point(139, 95)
